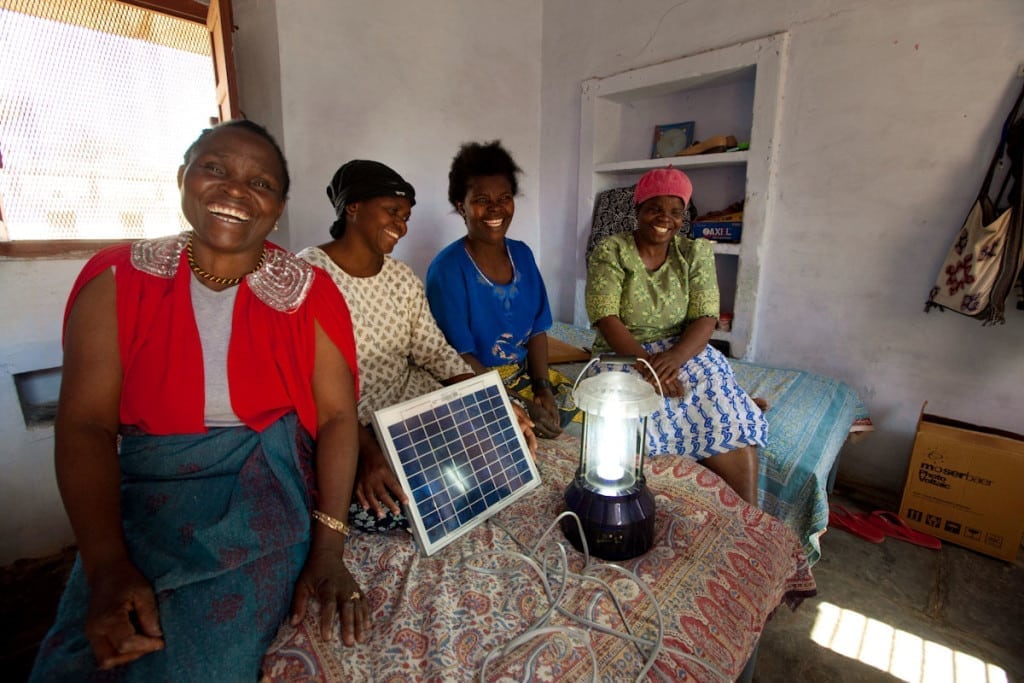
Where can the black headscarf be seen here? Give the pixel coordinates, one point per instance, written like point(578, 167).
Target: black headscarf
point(361, 179)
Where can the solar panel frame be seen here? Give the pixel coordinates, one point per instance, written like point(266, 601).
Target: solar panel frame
point(459, 456)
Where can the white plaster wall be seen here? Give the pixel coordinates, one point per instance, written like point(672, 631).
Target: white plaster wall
point(257, 69)
point(404, 83)
point(890, 116)
point(32, 519)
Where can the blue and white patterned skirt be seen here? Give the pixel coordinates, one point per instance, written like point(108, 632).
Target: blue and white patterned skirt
point(715, 416)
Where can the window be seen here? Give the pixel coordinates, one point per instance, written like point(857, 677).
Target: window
point(98, 101)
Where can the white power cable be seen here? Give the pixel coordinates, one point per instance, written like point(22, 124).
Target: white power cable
point(552, 566)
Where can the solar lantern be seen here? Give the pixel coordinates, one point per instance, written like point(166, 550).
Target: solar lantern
point(609, 493)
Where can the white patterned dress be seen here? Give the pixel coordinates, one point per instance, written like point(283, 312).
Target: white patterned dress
point(400, 350)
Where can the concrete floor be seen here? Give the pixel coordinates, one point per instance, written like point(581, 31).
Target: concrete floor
point(899, 612)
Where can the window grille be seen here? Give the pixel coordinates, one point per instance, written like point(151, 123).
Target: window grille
point(98, 102)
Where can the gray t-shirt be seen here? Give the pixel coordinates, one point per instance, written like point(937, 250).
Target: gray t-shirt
point(214, 311)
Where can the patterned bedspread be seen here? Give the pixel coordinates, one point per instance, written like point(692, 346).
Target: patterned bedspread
point(809, 419)
point(718, 569)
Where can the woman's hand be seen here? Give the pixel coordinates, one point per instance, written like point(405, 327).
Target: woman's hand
point(544, 414)
point(376, 485)
point(339, 438)
point(526, 427)
point(666, 366)
point(543, 410)
point(122, 624)
point(326, 577)
point(673, 388)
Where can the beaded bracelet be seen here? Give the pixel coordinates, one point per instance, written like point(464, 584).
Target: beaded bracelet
point(331, 522)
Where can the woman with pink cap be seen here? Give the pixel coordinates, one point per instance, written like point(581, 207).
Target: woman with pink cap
point(653, 293)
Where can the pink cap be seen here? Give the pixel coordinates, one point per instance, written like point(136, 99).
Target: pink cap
point(663, 181)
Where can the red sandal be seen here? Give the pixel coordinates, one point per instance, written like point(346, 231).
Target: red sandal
point(841, 518)
point(890, 524)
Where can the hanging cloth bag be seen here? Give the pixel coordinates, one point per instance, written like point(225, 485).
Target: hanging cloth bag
point(986, 257)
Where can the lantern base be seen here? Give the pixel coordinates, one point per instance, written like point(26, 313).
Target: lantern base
point(616, 527)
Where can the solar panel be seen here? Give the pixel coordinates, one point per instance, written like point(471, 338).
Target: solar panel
point(459, 455)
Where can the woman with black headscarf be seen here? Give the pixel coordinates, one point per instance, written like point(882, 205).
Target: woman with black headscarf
point(402, 353)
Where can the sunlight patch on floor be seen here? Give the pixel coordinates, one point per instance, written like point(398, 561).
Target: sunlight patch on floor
point(898, 653)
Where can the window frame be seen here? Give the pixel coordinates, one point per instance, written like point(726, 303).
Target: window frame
point(217, 16)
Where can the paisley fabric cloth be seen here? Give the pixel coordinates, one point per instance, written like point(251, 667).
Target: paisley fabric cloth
point(219, 524)
point(718, 569)
point(401, 352)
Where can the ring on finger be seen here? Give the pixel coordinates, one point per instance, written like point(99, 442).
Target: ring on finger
point(356, 595)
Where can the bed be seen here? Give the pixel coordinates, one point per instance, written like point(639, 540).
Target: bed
point(718, 569)
point(810, 418)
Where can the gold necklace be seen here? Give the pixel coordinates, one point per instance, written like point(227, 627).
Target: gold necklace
point(227, 281)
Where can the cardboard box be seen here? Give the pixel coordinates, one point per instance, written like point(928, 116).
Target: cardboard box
point(719, 231)
point(963, 485)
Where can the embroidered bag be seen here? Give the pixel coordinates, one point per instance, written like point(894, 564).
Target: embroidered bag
point(988, 253)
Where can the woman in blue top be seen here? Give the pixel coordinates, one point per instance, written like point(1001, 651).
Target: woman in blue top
point(487, 294)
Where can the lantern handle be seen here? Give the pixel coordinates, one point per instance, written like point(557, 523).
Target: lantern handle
point(617, 359)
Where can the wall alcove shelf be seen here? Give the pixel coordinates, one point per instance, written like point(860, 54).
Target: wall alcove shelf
point(736, 90)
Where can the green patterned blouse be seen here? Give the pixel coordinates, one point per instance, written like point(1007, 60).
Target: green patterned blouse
point(653, 305)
